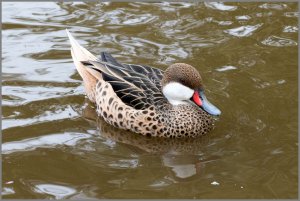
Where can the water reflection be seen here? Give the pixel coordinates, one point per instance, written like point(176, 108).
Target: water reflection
point(290, 29)
point(274, 6)
point(181, 166)
point(220, 6)
point(57, 191)
point(279, 42)
point(7, 191)
point(173, 151)
point(69, 139)
point(243, 31)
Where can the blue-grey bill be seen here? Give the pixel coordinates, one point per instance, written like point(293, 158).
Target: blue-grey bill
point(207, 106)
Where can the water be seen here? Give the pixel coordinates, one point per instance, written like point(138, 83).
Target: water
point(54, 146)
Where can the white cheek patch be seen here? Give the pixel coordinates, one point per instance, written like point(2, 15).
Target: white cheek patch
point(177, 93)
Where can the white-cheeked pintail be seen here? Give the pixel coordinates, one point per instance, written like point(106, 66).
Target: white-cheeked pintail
point(143, 99)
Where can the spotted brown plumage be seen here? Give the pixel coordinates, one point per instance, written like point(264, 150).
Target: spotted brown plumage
point(144, 99)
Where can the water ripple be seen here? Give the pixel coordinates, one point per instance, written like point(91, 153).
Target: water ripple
point(290, 29)
point(275, 6)
point(48, 116)
point(220, 6)
point(243, 31)
point(226, 68)
point(277, 41)
point(291, 14)
point(26, 94)
point(7, 191)
point(243, 17)
point(58, 191)
point(49, 141)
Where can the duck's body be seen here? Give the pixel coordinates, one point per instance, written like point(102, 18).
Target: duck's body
point(142, 99)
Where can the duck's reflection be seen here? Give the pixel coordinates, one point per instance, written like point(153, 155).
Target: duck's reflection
point(183, 156)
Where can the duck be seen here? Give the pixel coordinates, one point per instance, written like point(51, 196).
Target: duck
point(144, 99)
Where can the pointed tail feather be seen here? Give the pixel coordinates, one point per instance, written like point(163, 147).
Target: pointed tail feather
point(80, 53)
point(90, 77)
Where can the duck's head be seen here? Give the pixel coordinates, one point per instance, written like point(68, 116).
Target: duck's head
point(182, 84)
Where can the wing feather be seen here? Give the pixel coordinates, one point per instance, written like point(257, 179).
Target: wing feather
point(136, 85)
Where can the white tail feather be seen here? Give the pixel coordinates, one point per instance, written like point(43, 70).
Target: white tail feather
point(80, 53)
point(88, 75)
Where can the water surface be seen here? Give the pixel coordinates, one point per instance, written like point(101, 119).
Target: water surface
point(54, 146)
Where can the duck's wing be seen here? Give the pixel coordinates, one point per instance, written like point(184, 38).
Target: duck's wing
point(154, 74)
point(137, 88)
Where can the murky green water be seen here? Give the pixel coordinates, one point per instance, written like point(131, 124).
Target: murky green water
point(55, 147)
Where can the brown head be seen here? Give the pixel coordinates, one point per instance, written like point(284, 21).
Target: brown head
point(184, 74)
point(182, 84)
